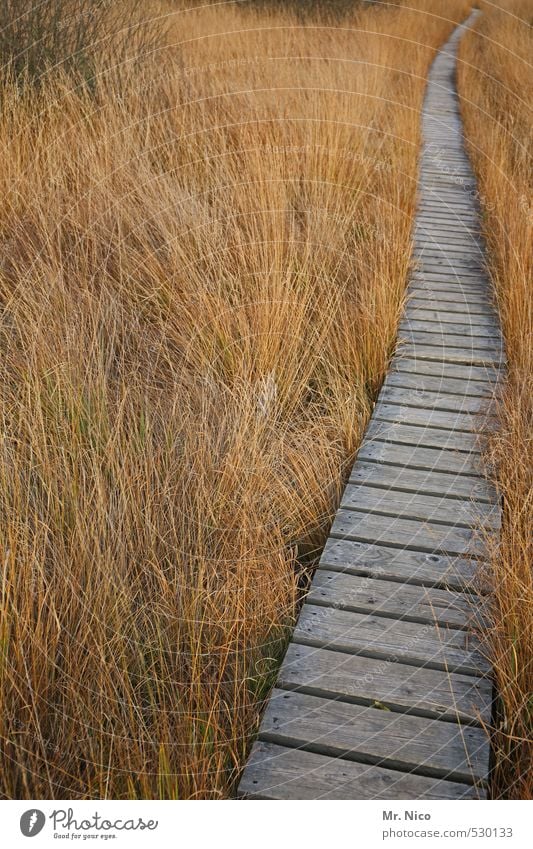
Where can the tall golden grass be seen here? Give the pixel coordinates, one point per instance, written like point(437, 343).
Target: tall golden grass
point(496, 84)
point(201, 273)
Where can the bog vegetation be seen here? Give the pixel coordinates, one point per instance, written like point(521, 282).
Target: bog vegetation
point(204, 243)
point(496, 85)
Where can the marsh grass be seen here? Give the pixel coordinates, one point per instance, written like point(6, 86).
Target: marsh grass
point(76, 36)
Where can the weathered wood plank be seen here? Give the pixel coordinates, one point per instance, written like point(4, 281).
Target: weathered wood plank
point(419, 309)
point(401, 565)
point(431, 646)
point(463, 356)
point(471, 331)
point(436, 459)
point(407, 533)
point(425, 437)
point(428, 692)
point(400, 741)
point(437, 401)
point(422, 417)
point(487, 373)
point(462, 240)
point(407, 601)
point(439, 338)
point(275, 772)
point(438, 230)
point(449, 282)
point(448, 224)
point(450, 315)
point(450, 250)
point(431, 293)
point(420, 506)
point(450, 385)
point(423, 481)
point(457, 267)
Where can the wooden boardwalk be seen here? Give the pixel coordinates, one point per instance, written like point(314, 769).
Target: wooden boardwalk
point(383, 690)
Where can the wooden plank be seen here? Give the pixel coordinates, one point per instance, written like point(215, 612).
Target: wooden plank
point(446, 197)
point(275, 772)
point(444, 313)
point(456, 191)
point(447, 248)
point(449, 370)
point(433, 208)
point(420, 506)
point(463, 356)
point(401, 565)
point(452, 385)
point(422, 417)
point(465, 286)
point(451, 198)
point(444, 231)
point(459, 176)
point(429, 270)
point(433, 292)
point(444, 241)
point(437, 334)
point(454, 280)
point(449, 224)
point(434, 235)
point(437, 400)
point(396, 740)
point(439, 260)
point(447, 188)
point(471, 331)
point(428, 226)
point(432, 647)
point(365, 680)
point(410, 602)
point(424, 481)
point(407, 533)
point(448, 212)
point(425, 437)
point(438, 296)
point(456, 177)
point(435, 459)
point(447, 293)
point(459, 266)
point(451, 272)
point(433, 260)
point(418, 308)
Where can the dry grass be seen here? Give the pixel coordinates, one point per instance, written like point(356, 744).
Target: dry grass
point(200, 281)
point(496, 84)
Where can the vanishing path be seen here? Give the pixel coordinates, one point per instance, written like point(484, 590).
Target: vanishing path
point(383, 689)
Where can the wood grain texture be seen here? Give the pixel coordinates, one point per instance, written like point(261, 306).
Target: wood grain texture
point(434, 647)
point(400, 565)
point(426, 482)
point(276, 772)
point(343, 729)
point(402, 601)
point(365, 680)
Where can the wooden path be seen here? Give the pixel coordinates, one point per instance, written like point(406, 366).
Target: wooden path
point(383, 689)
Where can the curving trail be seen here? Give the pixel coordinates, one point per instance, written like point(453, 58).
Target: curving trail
point(383, 688)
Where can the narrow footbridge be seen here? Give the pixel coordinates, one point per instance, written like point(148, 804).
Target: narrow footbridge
point(384, 691)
